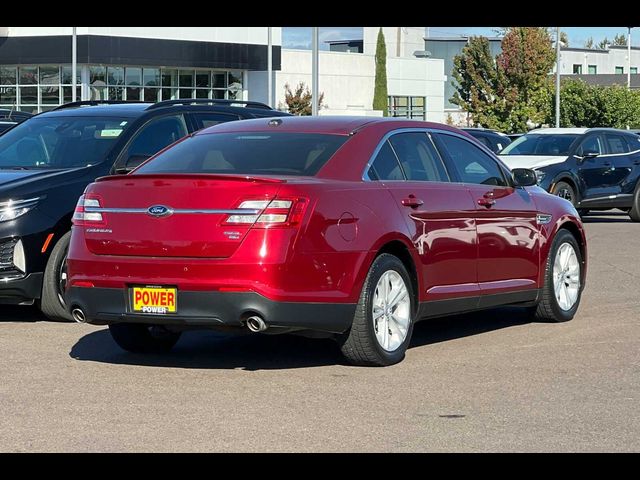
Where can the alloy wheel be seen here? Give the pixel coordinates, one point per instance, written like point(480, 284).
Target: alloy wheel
point(391, 311)
point(566, 276)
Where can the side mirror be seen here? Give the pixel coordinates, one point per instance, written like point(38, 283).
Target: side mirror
point(132, 162)
point(524, 177)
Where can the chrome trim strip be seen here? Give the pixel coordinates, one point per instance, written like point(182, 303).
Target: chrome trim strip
point(20, 203)
point(237, 211)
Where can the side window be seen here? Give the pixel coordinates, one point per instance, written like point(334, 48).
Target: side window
point(616, 143)
point(208, 119)
point(156, 135)
point(634, 142)
point(385, 166)
point(418, 158)
point(590, 144)
point(470, 162)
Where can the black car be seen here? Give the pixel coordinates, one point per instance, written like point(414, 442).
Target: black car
point(47, 161)
point(10, 118)
point(495, 141)
point(593, 168)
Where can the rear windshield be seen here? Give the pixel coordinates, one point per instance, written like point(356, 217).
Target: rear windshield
point(59, 142)
point(541, 144)
point(248, 154)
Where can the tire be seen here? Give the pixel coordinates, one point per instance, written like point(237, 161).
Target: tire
point(549, 309)
point(634, 211)
point(565, 190)
point(52, 298)
point(361, 344)
point(142, 338)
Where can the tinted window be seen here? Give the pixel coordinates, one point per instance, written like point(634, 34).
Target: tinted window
point(616, 143)
point(634, 142)
point(60, 142)
point(386, 166)
point(251, 153)
point(418, 157)
point(210, 118)
point(156, 135)
point(470, 162)
point(592, 143)
point(541, 144)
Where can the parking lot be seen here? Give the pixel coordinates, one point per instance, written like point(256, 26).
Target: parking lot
point(482, 382)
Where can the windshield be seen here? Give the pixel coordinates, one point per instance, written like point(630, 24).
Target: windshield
point(59, 142)
point(248, 154)
point(541, 144)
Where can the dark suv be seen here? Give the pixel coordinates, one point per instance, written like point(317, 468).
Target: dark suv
point(495, 141)
point(47, 161)
point(593, 168)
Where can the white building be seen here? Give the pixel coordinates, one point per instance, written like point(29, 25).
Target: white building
point(592, 61)
point(159, 63)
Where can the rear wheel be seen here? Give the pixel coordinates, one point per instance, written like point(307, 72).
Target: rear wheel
point(140, 338)
point(54, 282)
point(562, 280)
point(383, 322)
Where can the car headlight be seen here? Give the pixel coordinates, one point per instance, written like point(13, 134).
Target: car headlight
point(539, 175)
point(16, 208)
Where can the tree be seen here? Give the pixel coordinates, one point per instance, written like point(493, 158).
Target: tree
point(588, 43)
point(564, 38)
point(299, 102)
point(620, 39)
point(604, 43)
point(380, 94)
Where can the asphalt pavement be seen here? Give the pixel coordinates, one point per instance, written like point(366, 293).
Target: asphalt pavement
point(489, 381)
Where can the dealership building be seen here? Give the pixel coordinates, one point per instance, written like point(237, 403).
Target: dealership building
point(161, 63)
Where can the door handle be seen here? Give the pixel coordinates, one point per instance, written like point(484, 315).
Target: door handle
point(412, 201)
point(486, 202)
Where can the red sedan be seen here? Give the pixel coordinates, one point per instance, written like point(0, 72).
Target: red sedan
point(351, 227)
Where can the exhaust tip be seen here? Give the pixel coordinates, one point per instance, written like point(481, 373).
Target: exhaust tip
point(256, 324)
point(78, 315)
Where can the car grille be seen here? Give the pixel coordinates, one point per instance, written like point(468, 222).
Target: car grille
point(7, 269)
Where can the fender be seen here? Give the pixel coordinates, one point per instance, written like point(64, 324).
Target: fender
point(548, 233)
point(574, 178)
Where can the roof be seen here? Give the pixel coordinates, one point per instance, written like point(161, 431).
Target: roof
point(336, 125)
point(578, 131)
point(481, 129)
point(337, 42)
point(119, 109)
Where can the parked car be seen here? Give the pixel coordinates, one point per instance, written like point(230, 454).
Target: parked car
point(593, 168)
point(514, 136)
point(496, 141)
point(48, 160)
point(4, 126)
point(351, 227)
point(9, 118)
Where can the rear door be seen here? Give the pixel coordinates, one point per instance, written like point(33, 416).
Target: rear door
point(508, 250)
point(438, 214)
point(594, 172)
point(619, 157)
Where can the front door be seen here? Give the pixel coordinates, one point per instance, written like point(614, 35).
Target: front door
point(505, 217)
point(597, 173)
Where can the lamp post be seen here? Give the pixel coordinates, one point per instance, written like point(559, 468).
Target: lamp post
point(629, 59)
point(314, 71)
point(74, 64)
point(557, 77)
point(424, 54)
point(269, 69)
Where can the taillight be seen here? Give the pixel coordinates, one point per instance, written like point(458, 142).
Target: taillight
point(83, 214)
point(281, 212)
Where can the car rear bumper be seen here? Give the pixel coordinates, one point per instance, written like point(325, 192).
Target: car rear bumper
point(103, 306)
point(21, 290)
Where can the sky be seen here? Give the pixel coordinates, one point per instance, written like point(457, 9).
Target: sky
point(300, 37)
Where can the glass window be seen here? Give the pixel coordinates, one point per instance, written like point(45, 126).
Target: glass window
point(8, 75)
point(471, 163)
point(185, 93)
point(115, 75)
point(29, 95)
point(593, 69)
point(616, 143)
point(577, 69)
point(8, 95)
point(186, 78)
point(151, 94)
point(219, 94)
point(202, 93)
point(407, 107)
point(28, 75)
point(219, 80)
point(592, 143)
point(151, 77)
point(386, 165)
point(67, 74)
point(50, 95)
point(169, 77)
point(97, 75)
point(133, 93)
point(156, 135)
point(59, 142)
point(418, 157)
point(537, 144)
point(116, 93)
point(132, 76)
point(50, 75)
point(169, 93)
point(634, 70)
point(67, 94)
point(209, 119)
point(203, 79)
point(280, 154)
point(619, 70)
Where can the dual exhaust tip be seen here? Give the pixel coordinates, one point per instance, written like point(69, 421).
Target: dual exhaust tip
point(254, 323)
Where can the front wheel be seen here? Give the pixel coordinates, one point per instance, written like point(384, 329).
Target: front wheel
point(562, 280)
point(140, 338)
point(383, 322)
point(54, 282)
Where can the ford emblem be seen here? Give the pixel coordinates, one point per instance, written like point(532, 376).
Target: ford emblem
point(159, 211)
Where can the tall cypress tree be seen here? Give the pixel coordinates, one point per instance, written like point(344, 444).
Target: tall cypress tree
point(380, 95)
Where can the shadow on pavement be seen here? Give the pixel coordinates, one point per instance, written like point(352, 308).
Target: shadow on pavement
point(213, 350)
point(21, 313)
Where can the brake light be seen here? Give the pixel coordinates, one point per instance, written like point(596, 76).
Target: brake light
point(282, 212)
point(83, 214)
